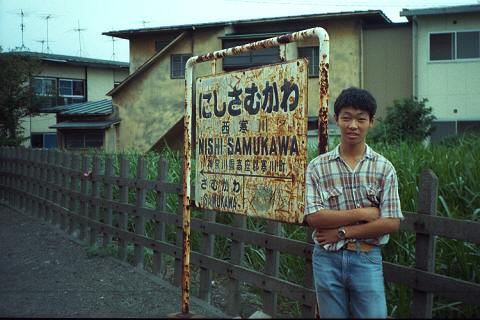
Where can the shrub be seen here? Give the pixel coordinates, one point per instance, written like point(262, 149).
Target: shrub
point(407, 120)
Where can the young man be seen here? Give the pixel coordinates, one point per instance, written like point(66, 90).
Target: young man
point(352, 202)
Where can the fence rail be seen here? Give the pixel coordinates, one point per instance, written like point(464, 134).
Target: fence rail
point(83, 196)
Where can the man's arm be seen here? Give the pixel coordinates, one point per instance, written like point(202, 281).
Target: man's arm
point(327, 219)
point(368, 230)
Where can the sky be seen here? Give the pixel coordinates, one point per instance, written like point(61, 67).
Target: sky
point(75, 27)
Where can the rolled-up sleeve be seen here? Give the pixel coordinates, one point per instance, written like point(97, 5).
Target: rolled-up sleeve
point(390, 200)
point(314, 200)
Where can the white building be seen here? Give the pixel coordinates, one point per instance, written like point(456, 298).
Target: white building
point(446, 65)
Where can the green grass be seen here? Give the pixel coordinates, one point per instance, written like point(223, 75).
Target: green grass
point(456, 164)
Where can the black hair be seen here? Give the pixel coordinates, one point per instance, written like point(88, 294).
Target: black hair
point(357, 98)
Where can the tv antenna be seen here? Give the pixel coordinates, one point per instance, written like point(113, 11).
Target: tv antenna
point(43, 41)
point(144, 22)
point(47, 17)
point(79, 30)
point(113, 48)
point(22, 14)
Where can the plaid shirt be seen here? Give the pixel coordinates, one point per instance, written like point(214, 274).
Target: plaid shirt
point(332, 184)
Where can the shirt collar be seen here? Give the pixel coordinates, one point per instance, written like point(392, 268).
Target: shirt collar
point(335, 154)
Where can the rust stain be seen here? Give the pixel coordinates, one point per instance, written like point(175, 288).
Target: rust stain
point(251, 155)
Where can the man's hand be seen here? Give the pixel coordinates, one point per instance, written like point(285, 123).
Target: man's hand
point(369, 214)
point(324, 236)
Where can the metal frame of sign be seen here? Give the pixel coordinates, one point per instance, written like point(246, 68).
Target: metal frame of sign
point(324, 46)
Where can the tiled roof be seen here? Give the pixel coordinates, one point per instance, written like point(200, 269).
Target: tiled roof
point(102, 107)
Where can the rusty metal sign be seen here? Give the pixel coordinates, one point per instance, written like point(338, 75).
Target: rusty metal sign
point(251, 141)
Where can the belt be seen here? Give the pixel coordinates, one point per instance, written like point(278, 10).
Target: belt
point(362, 246)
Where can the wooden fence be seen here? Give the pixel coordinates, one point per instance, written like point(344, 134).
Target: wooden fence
point(83, 197)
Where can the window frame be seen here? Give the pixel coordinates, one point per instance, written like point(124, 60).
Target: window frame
point(248, 55)
point(455, 57)
point(43, 94)
point(71, 80)
point(43, 136)
point(315, 66)
point(68, 133)
point(183, 60)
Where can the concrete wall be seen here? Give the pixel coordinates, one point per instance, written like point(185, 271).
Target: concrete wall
point(452, 87)
point(388, 64)
point(151, 104)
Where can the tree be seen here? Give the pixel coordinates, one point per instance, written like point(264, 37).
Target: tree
point(407, 120)
point(17, 96)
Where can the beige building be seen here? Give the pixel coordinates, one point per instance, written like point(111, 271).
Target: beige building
point(68, 80)
point(446, 68)
point(151, 100)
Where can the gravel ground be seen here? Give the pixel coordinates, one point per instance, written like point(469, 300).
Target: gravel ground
point(44, 273)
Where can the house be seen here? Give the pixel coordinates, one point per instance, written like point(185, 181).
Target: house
point(67, 80)
point(86, 125)
point(446, 66)
point(151, 99)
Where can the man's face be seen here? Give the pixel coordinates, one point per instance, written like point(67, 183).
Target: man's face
point(353, 124)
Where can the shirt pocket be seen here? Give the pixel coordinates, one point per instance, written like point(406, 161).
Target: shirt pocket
point(370, 195)
point(333, 197)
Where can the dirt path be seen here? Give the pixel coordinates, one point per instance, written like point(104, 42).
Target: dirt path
point(43, 273)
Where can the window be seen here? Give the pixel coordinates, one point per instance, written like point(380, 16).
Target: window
point(468, 45)
point(177, 67)
point(311, 53)
point(83, 139)
point(43, 140)
point(70, 88)
point(45, 86)
point(249, 59)
point(59, 92)
point(455, 45)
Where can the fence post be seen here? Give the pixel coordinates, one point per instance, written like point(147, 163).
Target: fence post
point(65, 165)
point(17, 178)
point(237, 253)
point(139, 218)
point(161, 205)
point(49, 214)
point(123, 218)
point(58, 187)
point(178, 269)
point(425, 243)
point(84, 192)
point(108, 187)
point(74, 178)
point(31, 180)
point(307, 310)
point(94, 209)
point(36, 174)
point(43, 183)
point(272, 262)
point(207, 245)
point(2, 175)
point(24, 185)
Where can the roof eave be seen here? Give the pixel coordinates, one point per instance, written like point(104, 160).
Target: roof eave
point(439, 10)
point(127, 34)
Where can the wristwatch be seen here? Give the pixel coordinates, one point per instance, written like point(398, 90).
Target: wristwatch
point(341, 233)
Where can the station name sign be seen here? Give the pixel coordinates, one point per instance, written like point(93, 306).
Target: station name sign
point(251, 141)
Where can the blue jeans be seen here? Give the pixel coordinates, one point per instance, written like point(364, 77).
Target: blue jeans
point(349, 283)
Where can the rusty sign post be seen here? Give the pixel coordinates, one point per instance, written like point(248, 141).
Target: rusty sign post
point(288, 72)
